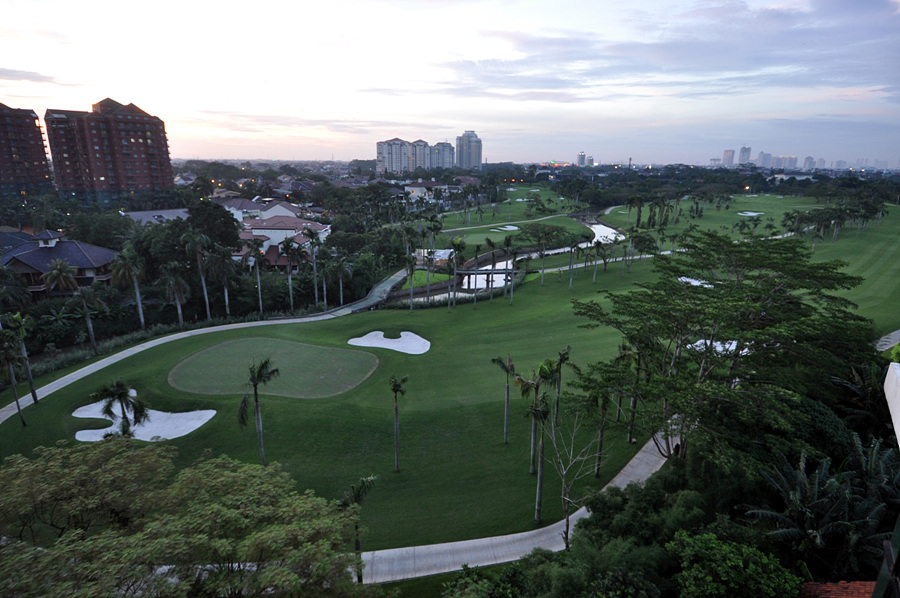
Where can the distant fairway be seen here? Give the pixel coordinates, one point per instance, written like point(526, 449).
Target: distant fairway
point(306, 371)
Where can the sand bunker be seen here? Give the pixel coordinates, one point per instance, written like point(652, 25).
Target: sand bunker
point(159, 426)
point(694, 282)
point(505, 229)
point(409, 342)
point(750, 213)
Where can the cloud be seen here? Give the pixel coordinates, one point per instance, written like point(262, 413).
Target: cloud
point(14, 75)
point(260, 123)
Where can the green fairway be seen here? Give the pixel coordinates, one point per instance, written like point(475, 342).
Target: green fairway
point(306, 371)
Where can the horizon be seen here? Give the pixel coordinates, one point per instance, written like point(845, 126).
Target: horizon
point(670, 82)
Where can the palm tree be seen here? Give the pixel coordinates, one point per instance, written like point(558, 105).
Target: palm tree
point(221, 267)
point(60, 275)
point(177, 288)
point(14, 293)
point(126, 267)
point(410, 273)
point(287, 247)
point(354, 496)
point(510, 370)
point(314, 244)
point(10, 356)
point(342, 265)
point(196, 245)
point(255, 251)
point(542, 375)
point(458, 246)
point(20, 326)
point(475, 290)
point(557, 373)
point(539, 413)
point(260, 374)
point(120, 395)
point(397, 388)
point(507, 252)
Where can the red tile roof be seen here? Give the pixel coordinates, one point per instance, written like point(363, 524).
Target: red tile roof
point(841, 589)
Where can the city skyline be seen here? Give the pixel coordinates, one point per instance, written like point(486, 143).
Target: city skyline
point(668, 82)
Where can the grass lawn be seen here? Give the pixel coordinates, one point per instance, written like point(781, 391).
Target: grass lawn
point(457, 480)
point(451, 417)
point(420, 278)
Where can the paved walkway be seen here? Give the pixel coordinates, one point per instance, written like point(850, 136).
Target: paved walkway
point(420, 561)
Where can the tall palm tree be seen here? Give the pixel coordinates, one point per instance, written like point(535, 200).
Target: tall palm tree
point(14, 293)
point(507, 247)
point(543, 375)
point(355, 496)
point(410, 263)
point(510, 370)
point(196, 245)
point(60, 275)
point(475, 291)
point(126, 267)
point(10, 356)
point(255, 252)
point(557, 372)
point(539, 414)
point(314, 244)
point(398, 389)
point(177, 288)
point(342, 265)
point(221, 267)
point(260, 374)
point(20, 326)
point(458, 246)
point(121, 396)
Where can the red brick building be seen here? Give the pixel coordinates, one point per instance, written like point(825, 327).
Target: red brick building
point(24, 169)
point(110, 152)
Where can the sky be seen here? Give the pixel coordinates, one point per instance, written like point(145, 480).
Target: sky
point(656, 81)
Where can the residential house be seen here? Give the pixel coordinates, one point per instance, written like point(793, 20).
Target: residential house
point(32, 260)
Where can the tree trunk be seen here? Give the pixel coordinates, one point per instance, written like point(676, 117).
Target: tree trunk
point(533, 445)
point(27, 364)
point(259, 432)
point(227, 305)
point(180, 316)
point(137, 296)
point(203, 285)
point(396, 435)
point(259, 289)
point(543, 260)
point(90, 326)
point(291, 288)
point(539, 494)
point(325, 292)
point(358, 545)
point(600, 432)
point(315, 278)
point(12, 382)
point(506, 414)
point(341, 288)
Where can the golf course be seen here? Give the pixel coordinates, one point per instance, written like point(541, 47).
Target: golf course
point(328, 416)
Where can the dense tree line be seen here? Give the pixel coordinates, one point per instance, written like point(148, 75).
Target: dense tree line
point(762, 387)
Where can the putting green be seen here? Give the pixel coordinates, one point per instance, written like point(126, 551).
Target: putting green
point(306, 371)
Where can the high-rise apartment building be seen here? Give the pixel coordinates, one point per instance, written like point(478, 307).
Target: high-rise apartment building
point(728, 158)
point(419, 156)
point(764, 160)
point(581, 158)
point(468, 151)
point(809, 163)
point(590, 161)
point(24, 169)
point(744, 155)
point(110, 152)
point(443, 155)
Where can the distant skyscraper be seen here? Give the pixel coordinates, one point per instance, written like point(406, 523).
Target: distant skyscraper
point(590, 160)
point(468, 151)
point(420, 157)
point(581, 158)
point(728, 158)
point(820, 163)
point(24, 169)
point(744, 156)
point(809, 163)
point(443, 155)
point(109, 152)
point(392, 156)
point(764, 160)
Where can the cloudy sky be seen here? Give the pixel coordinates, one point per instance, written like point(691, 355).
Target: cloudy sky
point(655, 80)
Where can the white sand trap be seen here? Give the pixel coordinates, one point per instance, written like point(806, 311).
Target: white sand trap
point(523, 199)
point(750, 213)
point(409, 342)
point(505, 229)
point(511, 189)
point(694, 282)
point(605, 233)
point(160, 425)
